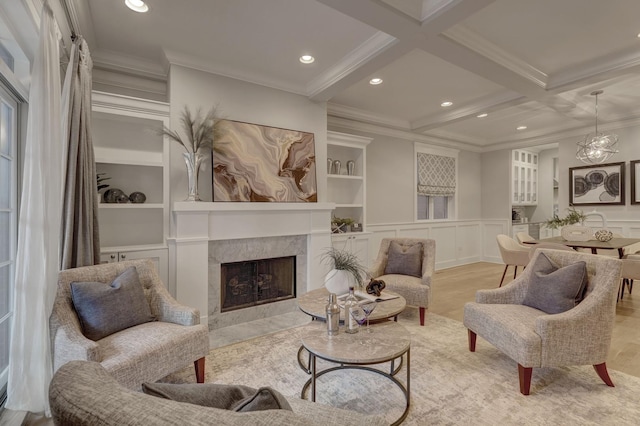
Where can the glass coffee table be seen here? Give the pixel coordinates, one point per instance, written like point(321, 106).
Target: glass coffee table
point(388, 341)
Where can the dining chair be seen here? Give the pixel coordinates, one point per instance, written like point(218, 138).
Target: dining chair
point(553, 246)
point(630, 272)
point(512, 254)
point(523, 236)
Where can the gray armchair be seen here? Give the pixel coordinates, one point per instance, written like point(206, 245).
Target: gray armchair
point(415, 289)
point(144, 353)
point(533, 338)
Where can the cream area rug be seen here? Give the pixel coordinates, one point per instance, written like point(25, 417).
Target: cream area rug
point(449, 384)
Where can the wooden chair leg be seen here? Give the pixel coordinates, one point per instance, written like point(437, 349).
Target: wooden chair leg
point(503, 274)
point(601, 369)
point(422, 312)
point(515, 271)
point(199, 367)
point(472, 340)
point(524, 373)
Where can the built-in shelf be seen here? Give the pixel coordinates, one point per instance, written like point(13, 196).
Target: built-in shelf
point(131, 206)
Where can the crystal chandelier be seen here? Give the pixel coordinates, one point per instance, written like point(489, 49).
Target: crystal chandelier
point(597, 147)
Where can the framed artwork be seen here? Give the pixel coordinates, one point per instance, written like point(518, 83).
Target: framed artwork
point(635, 181)
point(257, 163)
point(601, 184)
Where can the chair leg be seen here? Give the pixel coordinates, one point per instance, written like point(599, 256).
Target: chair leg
point(503, 274)
point(515, 271)
point(199, 367)
point(472, 340)
point(422, 312)
point(601, 369)
point(524, 373)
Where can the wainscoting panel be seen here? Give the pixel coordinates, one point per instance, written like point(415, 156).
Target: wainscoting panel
point(457, 242)
point(491, 229)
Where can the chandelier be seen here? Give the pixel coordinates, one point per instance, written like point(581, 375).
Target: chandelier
point(597, 147)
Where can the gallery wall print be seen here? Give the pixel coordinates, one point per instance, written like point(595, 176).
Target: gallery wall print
point(263, 164)
point(634, 166)
point(596, 185)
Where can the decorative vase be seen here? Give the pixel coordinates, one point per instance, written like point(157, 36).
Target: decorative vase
point(193, 160)
point(576, 233)
point(338, 281)
point(351, 166)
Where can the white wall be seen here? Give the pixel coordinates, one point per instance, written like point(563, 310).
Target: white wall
point(241, 101)
point(544, 210)
point(496, 185)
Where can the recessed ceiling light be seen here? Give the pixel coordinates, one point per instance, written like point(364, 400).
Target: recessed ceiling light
point(483, 115)
point(446, 104)
point(307, 59)
point(521, 128)
point(136, 5)
point(638, 35)
point(375, 81)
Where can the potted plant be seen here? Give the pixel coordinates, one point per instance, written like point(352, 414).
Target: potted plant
point(100, 178)
point(346, 271)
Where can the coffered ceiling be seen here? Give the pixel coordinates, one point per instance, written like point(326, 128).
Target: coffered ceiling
point(524, 63)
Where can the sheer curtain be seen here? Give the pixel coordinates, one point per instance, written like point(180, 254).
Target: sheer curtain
point(80, 238)
point(37, 259)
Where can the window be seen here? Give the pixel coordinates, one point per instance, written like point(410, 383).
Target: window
point(436, 176)
point(8, 227)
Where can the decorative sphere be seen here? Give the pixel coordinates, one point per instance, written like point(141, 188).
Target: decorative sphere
point(111, 195)
point(122, 199)
point(603, 235)
point(137, 197)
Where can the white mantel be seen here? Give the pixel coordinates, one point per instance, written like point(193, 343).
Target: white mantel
point(194, 224)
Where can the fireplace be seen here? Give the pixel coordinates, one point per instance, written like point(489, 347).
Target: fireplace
point(256, 282)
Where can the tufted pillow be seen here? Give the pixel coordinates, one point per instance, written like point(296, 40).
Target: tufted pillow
point(404, 260)
point(228, 397)
point(554, 290)
point(104, 309)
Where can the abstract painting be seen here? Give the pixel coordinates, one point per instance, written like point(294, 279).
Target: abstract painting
point(596, 185)
point(263, 164)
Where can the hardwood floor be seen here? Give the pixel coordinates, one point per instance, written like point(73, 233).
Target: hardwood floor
point(455, 286)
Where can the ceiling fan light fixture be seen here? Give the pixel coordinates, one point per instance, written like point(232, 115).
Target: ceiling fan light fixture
point(137, 5)
point(597, 147)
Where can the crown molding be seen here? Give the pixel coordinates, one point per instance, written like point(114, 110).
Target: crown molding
point(464, 36)
point(356, 114)
point(201, 64)
point(344, 124)
point(129, 104)
point(350, 62)
point(117, 62)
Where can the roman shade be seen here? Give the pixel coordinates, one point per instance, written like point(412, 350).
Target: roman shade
point(436, 175)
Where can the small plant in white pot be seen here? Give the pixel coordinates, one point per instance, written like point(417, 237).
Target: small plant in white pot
point(345, 272)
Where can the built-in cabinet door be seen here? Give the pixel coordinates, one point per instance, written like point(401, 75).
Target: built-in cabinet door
point(525, 178)
point(356, 244)
point(160, 257)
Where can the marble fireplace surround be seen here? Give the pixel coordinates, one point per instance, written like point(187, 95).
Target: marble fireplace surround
point(199, 228)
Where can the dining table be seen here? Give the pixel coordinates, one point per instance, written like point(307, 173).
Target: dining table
point(613, 244)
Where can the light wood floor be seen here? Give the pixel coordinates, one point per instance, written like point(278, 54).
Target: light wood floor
point(452, 288)
point(455, 286)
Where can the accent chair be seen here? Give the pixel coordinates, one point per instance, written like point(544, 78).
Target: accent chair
point(406, 265)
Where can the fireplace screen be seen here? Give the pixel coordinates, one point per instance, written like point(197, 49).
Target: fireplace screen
point(255, 282)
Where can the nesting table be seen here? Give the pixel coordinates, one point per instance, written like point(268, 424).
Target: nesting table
point(388, 341)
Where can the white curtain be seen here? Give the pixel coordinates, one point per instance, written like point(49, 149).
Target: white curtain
point(37, 259)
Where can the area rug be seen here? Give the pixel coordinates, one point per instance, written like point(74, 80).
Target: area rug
point(449, 384)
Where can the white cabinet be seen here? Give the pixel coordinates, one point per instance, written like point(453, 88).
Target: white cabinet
point(358, 244)
point(159, 257)
point(131, 151)
point(524, 175)
point(347, 191)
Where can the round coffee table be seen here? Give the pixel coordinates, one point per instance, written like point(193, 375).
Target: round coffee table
point(313, 303)
point(388, 341)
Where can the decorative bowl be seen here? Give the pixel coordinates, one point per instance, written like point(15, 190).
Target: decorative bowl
point(603, 235)
point(576, 233)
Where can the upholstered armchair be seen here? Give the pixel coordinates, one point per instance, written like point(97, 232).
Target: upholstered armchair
point(580, 335)
point(406, 265)
point(145, 352)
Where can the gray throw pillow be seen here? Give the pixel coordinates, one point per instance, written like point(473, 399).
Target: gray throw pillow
point(404, 260)
point(104, 309)
point(227, 397)
point(554, 290)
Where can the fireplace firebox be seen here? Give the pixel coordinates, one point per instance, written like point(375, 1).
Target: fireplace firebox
point(256, 282)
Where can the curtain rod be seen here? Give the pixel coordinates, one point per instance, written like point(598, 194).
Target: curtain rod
point(71, 19)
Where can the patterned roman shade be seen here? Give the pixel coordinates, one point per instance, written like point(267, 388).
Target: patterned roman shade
point(436, 175)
